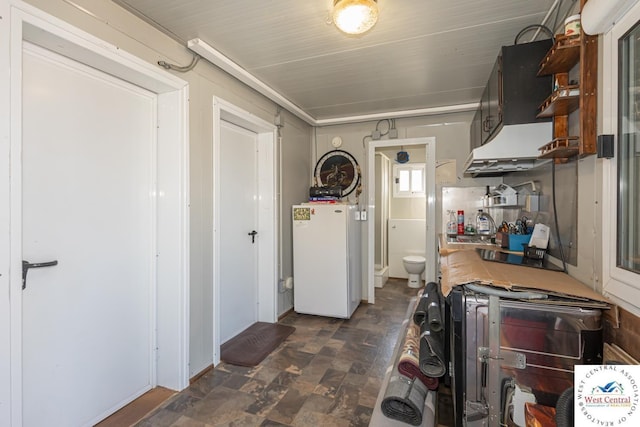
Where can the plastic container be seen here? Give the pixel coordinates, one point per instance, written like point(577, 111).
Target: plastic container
point(516, 242)
point(452, 225)
point(470, 228)
point(484, 223)
point(572, 25)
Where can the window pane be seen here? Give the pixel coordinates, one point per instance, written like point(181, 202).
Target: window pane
point(416, 180)
point(404, 180)
point(628, 253)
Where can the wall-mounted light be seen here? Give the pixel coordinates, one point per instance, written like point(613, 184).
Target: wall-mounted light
point(355, 16)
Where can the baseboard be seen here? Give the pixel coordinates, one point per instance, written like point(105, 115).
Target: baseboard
point(285, 314)
point(199, 375)
point(137, 410)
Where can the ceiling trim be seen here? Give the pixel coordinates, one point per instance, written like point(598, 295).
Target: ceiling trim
point(398, 114)
point(221, 61)
point(218, 59)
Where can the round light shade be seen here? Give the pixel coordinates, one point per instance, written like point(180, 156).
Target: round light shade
point(355, 16)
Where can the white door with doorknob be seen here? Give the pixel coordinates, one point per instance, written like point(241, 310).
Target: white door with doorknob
point(88, 162)
point(239, 230)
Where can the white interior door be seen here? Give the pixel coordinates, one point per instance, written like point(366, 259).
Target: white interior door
point(238, 218)
point(88, 167)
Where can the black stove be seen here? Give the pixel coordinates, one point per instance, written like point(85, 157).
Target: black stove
point(516, 259)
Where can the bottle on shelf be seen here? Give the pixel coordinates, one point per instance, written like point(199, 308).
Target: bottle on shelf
point(485, 225)
point(470, 228)
point(460, 224)
point(452, 224)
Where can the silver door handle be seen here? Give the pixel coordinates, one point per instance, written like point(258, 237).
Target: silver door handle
point(26, 265)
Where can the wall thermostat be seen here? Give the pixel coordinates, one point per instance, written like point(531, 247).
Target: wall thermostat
point(336, 142)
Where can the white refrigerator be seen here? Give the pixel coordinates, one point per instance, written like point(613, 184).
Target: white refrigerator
point(327, 268)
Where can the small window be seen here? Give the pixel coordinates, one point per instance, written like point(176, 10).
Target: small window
point(408, 180)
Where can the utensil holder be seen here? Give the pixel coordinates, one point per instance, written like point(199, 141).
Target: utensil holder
point(516, 241)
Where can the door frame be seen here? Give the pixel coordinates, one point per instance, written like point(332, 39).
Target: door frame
point(430, 201)
point(267, 241)
point(20, 22)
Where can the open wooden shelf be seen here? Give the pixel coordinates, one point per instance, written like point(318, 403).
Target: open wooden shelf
point(569, 52)
point(564, 54)
point(564, 147)
point(561, 102)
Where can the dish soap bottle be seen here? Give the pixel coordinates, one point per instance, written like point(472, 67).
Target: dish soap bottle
point(484, 223)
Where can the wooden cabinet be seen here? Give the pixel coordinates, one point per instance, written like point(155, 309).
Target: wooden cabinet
point(567, 52)
point(491, 102)
point(513, 92)
point(476, 130)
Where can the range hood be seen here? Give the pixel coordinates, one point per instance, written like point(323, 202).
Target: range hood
point(514, 148)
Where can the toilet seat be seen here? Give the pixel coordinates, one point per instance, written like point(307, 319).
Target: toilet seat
point(414, 259)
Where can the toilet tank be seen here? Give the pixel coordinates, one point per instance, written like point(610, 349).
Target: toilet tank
point(406, 237)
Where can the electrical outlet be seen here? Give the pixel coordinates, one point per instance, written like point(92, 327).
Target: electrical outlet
point(363, 216)
point(357, 214)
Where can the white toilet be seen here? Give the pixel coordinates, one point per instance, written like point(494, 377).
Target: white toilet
point(414, 265)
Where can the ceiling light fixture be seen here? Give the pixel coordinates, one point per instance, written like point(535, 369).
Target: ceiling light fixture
point(355, 16)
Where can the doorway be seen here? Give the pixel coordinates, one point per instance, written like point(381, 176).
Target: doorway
point(164, 317)
point(238, 210)
point(244, 200)
point(430, 190)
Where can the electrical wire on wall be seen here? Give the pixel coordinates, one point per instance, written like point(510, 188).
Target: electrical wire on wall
point(381, 134)
point(278, 121)
point(557, 6)
point(178, 68)
point(314, 160)
point(364, 139)
point(378, 134)
point(555, 214)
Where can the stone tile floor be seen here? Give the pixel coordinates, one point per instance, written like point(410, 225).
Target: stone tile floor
point(327, 373)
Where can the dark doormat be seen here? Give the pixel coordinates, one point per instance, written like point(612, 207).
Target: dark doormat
point(255, 343)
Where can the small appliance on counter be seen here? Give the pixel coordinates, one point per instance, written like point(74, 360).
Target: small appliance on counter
point(502, 195)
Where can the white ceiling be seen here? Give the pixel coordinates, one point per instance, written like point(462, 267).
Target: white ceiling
point(421, 54)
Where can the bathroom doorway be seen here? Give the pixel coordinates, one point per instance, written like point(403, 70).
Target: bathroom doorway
point(380, 214)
